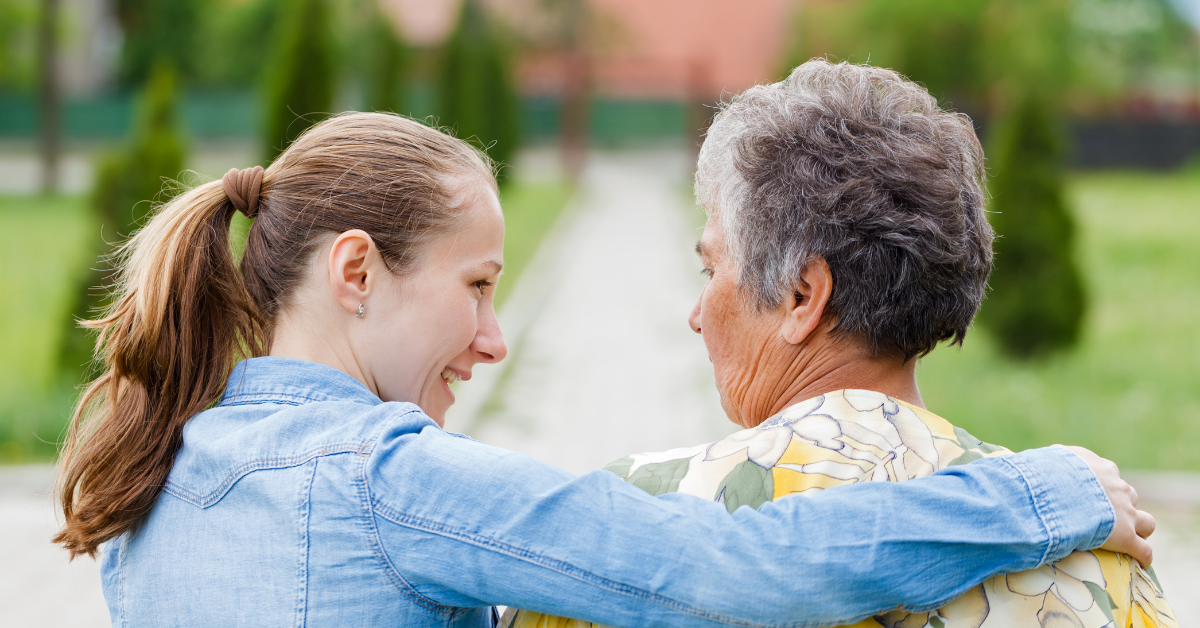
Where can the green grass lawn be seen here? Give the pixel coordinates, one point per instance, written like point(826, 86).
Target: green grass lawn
point(1131, 390)
point(43, 249)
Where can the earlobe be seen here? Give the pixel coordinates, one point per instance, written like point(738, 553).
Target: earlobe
point(804, 313)
point(352, 267)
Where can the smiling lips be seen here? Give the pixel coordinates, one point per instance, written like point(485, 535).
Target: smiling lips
point(449, 376)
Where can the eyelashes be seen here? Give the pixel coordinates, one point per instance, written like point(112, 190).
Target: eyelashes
point(707, 272)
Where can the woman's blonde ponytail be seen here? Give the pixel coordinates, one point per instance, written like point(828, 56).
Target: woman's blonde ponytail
point(180, 319)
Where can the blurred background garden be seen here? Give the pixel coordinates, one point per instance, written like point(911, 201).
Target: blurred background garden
point(1089, 111)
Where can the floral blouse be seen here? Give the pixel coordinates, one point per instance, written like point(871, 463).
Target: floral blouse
point(857, 436)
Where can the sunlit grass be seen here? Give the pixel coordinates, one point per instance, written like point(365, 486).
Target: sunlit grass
point(41, 255)
point(1131, 390)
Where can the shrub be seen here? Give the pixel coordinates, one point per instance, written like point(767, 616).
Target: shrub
point(300, 77)
point(1037, 301)
point(386, 66)
point(476, 95)
point(127, 183)
point(155, 31)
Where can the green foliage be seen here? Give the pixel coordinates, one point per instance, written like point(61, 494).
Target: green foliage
point(39, 263)
point(947, 55)
point(157, 31)
point(972, 53)
point(17, 19)
point(127, 183)
point(476, 93)
point(1037, 301)
point(236, 45)
point(386, 66)
point(301, 76)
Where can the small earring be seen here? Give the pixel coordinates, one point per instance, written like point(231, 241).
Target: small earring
point(362, 309)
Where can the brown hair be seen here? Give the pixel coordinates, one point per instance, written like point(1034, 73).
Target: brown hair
point(182, 316)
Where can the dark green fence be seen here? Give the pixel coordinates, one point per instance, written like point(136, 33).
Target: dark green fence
point(221, 115)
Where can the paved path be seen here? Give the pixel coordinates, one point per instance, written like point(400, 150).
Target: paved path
point(38, 586)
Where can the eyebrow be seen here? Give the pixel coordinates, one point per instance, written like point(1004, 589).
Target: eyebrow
point(493, 263)
point(700, 249)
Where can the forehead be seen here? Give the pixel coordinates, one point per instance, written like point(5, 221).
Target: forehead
point(712, 241)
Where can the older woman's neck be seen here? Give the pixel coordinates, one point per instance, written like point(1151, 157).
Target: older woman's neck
point(835, 368)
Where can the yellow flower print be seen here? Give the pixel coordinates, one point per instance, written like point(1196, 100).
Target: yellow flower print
point(765, 444)
point(1069, 592)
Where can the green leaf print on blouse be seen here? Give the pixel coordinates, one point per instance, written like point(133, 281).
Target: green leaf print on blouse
point(747, 485)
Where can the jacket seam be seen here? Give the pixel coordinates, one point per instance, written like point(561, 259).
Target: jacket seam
point(121, 548)
point(214, 496)
point(1045, 514)
point(562, 567)
point(305, 546)
point(240, 398)
point(398, 580)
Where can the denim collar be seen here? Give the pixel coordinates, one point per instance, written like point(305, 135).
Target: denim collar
point(284, 380)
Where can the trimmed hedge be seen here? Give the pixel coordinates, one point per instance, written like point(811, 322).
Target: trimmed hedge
point(1037, 302)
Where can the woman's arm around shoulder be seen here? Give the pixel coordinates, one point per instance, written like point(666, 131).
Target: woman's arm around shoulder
point(466, 524)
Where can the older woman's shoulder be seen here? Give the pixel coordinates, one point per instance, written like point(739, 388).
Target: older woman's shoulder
point(837, 438)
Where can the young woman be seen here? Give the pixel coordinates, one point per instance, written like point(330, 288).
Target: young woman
point(312, 483)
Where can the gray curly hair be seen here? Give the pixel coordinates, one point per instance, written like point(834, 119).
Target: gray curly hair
point(856, 165)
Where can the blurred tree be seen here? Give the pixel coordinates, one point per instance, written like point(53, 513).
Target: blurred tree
point(1037, 301)
point(17, 18)
point(948, 55)
point(301, 75)
point(236, 41)
point(157, 31)
point(127, 183)
point(476, 95)
point(48, 95)
point(386, 65)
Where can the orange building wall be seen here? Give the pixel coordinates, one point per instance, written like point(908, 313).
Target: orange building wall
point(641, 48)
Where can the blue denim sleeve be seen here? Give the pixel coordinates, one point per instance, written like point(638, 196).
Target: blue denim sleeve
point(465, 524)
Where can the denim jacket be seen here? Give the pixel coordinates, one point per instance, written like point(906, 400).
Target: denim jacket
point(301, 499)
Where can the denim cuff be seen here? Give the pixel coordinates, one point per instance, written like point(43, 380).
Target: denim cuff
point(1068, 499)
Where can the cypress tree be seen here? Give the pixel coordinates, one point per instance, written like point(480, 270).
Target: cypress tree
point(127, 183)
point(476, 94)
point(1037, 301)
point(386, 66)
point(300, 78)
point(155, 31)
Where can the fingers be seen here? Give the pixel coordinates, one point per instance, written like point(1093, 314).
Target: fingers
point(1145, 525)
point(1142, 552)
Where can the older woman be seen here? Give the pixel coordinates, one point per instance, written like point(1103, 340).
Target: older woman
point(846, 238)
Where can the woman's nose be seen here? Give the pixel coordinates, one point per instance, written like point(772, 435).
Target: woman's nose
point(694, 317)
point(489, 340)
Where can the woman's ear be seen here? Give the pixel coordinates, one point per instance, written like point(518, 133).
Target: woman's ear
point(804, 311)
point(354, 262)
